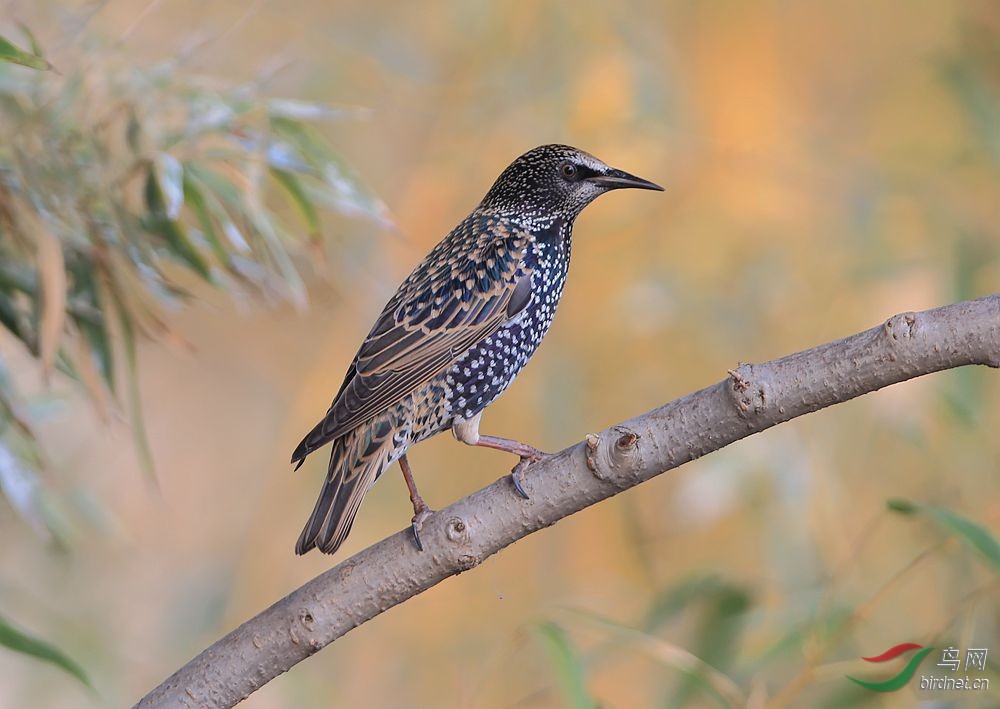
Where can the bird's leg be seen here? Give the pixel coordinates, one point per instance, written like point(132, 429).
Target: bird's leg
point(528, 455)
point(420, 509)
point(522, 450)
point(468, 432)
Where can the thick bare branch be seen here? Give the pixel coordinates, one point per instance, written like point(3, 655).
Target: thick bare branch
point(754, 397)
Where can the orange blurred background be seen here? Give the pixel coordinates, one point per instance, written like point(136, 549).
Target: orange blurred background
point(826, 165)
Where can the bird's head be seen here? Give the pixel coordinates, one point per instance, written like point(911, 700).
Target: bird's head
point(556, 181)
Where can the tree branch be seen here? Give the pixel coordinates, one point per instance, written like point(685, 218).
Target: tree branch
point(754, 397)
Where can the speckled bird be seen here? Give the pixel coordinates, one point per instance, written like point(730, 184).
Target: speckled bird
point(455, 335)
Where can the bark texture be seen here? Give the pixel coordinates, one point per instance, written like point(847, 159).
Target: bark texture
point(459, 537)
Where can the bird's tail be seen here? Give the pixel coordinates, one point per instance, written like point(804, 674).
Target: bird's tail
point(357, 459)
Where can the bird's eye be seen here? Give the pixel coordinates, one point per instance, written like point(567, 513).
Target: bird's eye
point(568, 171)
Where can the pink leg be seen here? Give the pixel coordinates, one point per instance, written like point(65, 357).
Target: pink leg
point(420, 509)
point(467, 431)
point(527, 454)
point(522, 450)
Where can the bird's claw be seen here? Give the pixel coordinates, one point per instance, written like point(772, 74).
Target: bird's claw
point(418, 520)
point(517, 474)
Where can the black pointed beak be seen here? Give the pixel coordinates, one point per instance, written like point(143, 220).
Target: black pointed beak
point(618, 179)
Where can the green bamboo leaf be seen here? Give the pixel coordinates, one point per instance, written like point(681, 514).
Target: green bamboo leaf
point(311, 111)
point(344, 192)
point(978, 101)
point(717, 637)
point(219, 192)
point(567, 665)
point(295, 190)
point(973, 533)
point(195, 199)
point(139, 434)
point(10, 53)
point(133, 132)
point(296, 289)
point(170, 178)
point(36, 47)
point(222, 187)
point(675, 657)
point(15, 276)
point(903, 507)
point(158, 222)
point(13, 317)
point(19, 641)
point(18, 482)
point(678, 597)
point(94, 331)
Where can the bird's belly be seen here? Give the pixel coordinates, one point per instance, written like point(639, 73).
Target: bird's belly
point(485, 371)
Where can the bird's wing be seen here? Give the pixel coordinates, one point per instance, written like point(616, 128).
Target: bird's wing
point(463, 292)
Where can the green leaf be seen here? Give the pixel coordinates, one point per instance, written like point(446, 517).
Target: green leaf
point(296, 289)
point(677, 598)
point(567, 665)
point(226, 190)
point(901, 506)
point(821, 626)
point(973, 533)
point(19, 641)
point(17, 323)
point(157, 221)
point(675, 657)
point(170, 178)
point(718, 609)
point(717, 635)
point(982, 110)
point(295, 190)
point(133, 132)
point(10, 53)
point(95, 332)
point(195, 199)
point(216, 189)
point(310, 111)
point(36, 47)
point(134, 397)
point(344, 191)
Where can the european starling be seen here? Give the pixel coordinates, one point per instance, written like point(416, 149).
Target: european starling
point(455, 335)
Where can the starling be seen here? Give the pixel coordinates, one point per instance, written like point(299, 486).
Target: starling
point(455, 335)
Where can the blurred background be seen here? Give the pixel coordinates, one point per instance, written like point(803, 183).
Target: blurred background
point(826, 165)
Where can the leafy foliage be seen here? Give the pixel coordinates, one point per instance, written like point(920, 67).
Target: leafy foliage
point(118, 186)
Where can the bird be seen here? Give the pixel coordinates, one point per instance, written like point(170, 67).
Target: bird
point(454, 336)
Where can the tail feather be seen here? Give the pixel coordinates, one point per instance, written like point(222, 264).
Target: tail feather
point(357, 459)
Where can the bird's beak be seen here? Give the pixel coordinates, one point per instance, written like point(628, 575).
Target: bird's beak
point(618, 179)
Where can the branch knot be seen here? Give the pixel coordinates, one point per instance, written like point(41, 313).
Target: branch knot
point(749, 394)
point(609, 451)
point(457, 531)
point(901, 327)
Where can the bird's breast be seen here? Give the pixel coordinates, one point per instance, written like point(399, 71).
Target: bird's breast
point(489, 367)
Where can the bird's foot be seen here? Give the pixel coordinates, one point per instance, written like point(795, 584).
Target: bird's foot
point(419, 517)
point(527, 454)
point(517, 474)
